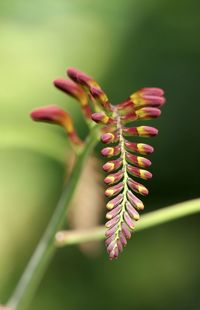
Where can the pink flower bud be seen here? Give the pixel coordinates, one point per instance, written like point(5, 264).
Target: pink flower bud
point(55, 115)
point(72, 89)
point(139, 173)
point(137, 203)
point(112, 165)
point(132, 212)
point(79, 76)
point(141, 148)
point(50, 114)
point(137, 187)
point(113, 212)
point(108, 138)
point(148, 97)
point(100, 117)
point(129, 221)
point(141, 131)
point(114, 190)
point(114, 177)
point(110, 151)
point(112, 222)
point(114, 202)
point(148, 113)
point(138, 160)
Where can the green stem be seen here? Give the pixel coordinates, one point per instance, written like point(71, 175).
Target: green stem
point(45, 250)
point(148, 220)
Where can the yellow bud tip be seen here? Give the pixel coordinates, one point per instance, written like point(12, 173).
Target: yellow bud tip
point(109, 192)
point(140, 206)
point(112, 137)
point(143, 174)
point(111, 151)
point(142, 190)
point(109, 179)
point(144, 148)
point(136, 217)
point(112, 166)
point(109, 205)
point(141, 113)
point(136, 99)
point(105, 119)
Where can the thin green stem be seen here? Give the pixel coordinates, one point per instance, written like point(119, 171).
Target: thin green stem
point(151, 219)
point(45, 250)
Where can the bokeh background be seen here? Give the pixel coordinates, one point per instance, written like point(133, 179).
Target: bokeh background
point(125, 45)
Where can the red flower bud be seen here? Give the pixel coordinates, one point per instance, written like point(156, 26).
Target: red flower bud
point(55, 115)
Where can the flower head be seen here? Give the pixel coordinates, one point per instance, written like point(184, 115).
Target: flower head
point(123, 205)
point(126, 162)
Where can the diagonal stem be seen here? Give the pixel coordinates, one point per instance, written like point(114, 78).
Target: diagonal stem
point(45, 250)
point(151, 219)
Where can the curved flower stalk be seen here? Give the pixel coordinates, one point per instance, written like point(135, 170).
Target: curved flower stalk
point(126, 161)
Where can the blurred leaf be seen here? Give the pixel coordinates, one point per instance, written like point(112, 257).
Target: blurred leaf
point(88, 204)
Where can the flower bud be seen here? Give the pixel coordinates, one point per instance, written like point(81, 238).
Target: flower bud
point(114, 190)
point(141, 148)
point(135, 202)
point(72, 89)
point(55, 115)
point(110, 151)
point(139, 173)
point(113, 212)
point(141, 131)
point(98, 94)
point(114, 202)
point(138, 160)
point(148, 113)
point(148, 97)
point(101, 117)
point(137, 187)
point(108, 138)
point(114, 177)
point(112, 165)
point(129, 221)
point(132, 212)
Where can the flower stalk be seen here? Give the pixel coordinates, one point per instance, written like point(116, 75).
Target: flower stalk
point(149, 220)
point(45, 250)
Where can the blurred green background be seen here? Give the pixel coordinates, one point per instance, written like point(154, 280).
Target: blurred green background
point(125, 45)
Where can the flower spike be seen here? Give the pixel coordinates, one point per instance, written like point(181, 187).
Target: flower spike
point(123, 205)
point(125, 159)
